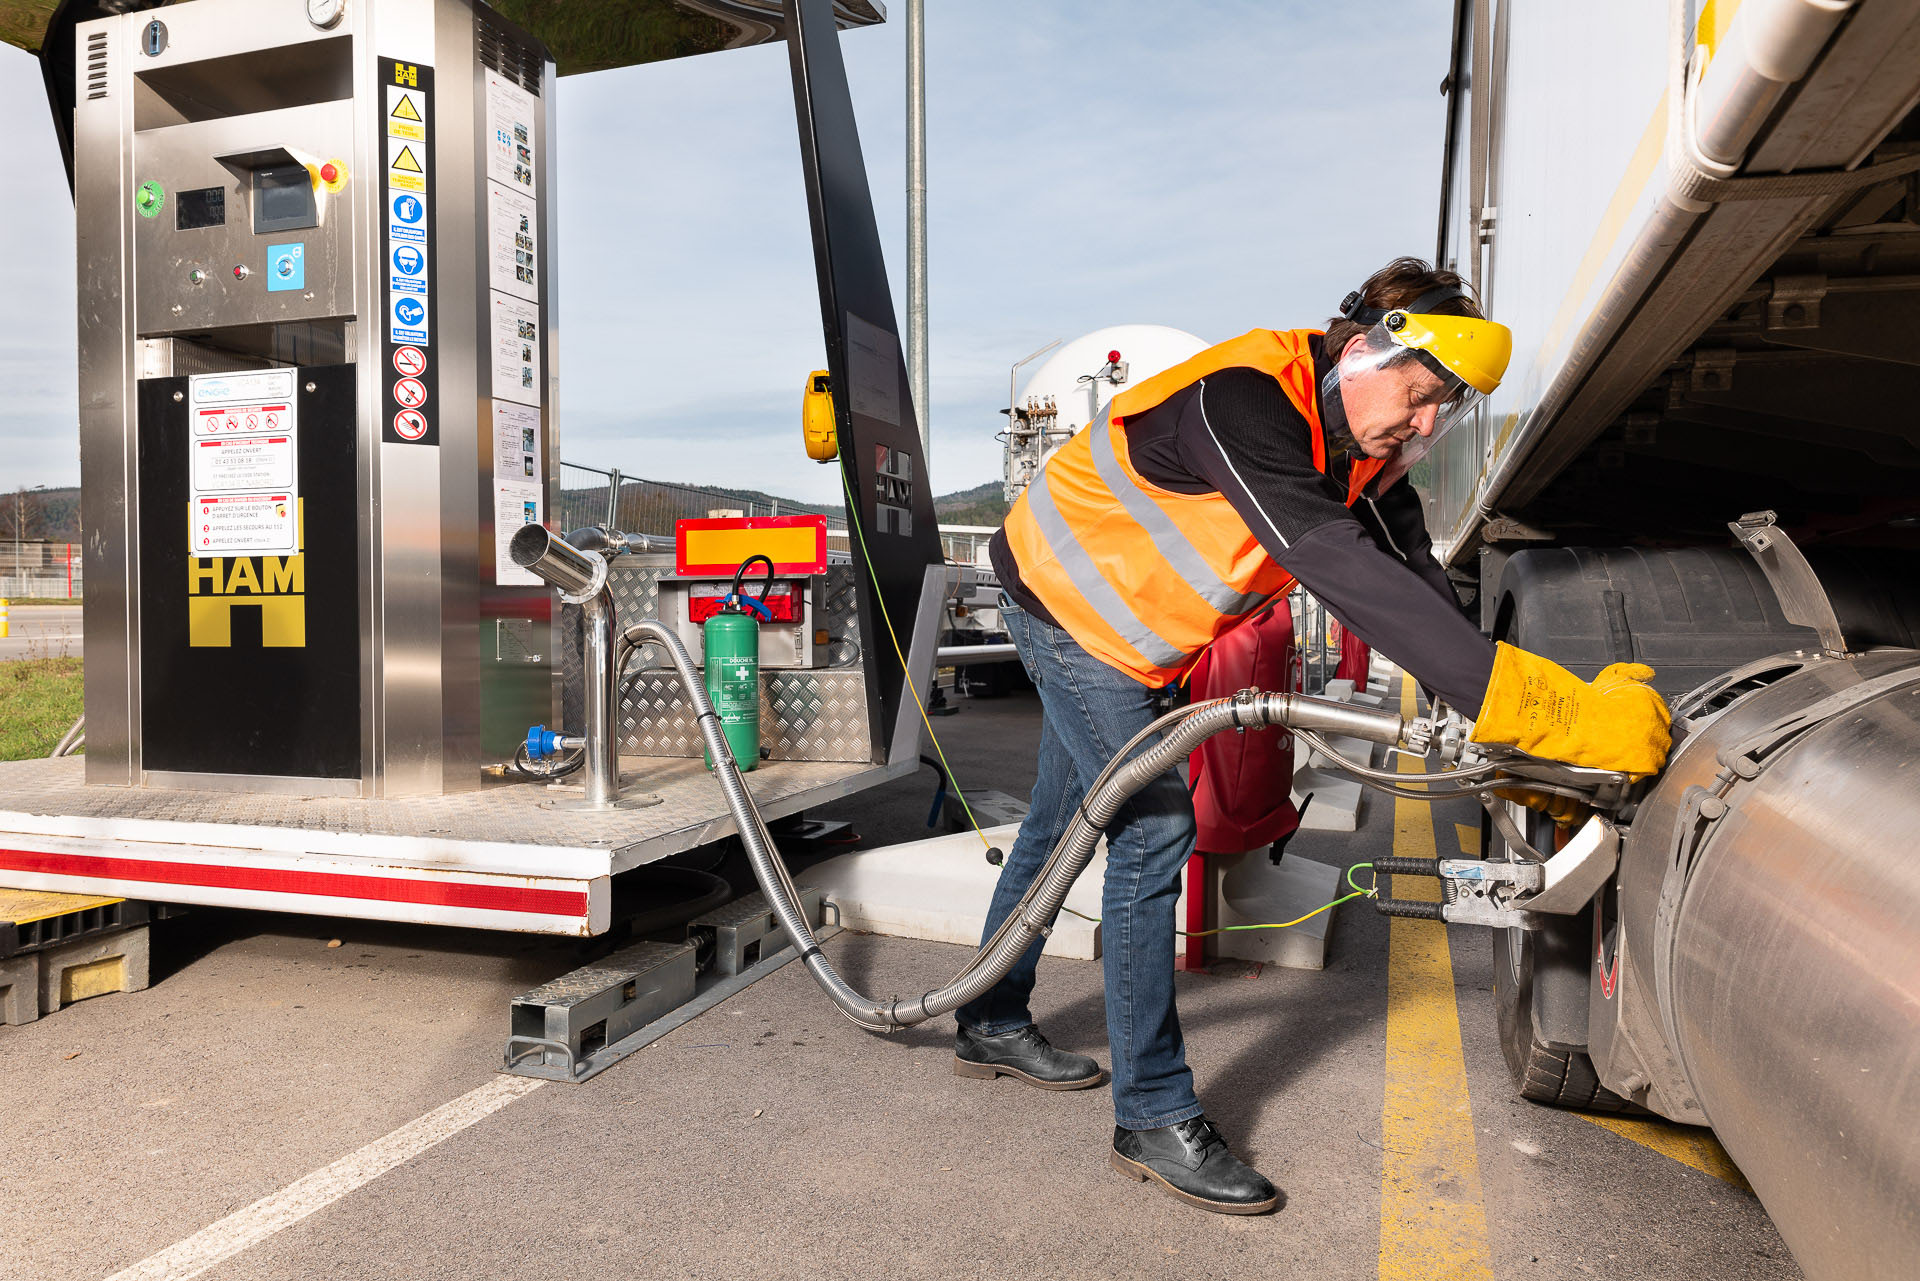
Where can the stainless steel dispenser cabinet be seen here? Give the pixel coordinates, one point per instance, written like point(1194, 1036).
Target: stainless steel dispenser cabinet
point(316, 392)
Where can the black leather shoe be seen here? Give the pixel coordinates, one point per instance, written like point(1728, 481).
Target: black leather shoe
point(1190, 1160)
point(1024, 1054)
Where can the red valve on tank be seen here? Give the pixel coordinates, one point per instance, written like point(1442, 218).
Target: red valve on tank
point(1113, 358)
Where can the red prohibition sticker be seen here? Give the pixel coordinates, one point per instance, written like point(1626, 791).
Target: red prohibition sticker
point(409, 424)
point(410, 392)
point(409, 362)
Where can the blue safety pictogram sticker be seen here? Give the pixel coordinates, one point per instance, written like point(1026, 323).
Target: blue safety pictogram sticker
point(409, 270)
point(286, 267)
point(408, 220)
point(409, 320)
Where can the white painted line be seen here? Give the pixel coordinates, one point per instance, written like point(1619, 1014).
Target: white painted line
point(243, 1229)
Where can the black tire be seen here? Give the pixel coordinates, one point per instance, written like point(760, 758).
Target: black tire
point(1540, 996)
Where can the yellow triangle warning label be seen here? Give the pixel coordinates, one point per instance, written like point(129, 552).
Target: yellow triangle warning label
point(406, 109)
point(405, 161)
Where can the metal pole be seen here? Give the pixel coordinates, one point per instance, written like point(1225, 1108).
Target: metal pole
point(613, 498)
point(917, 216)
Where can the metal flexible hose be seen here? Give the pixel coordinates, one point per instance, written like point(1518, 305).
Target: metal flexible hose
point(1034, 916)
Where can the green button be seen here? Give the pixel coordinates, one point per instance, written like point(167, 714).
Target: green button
point(150, 198)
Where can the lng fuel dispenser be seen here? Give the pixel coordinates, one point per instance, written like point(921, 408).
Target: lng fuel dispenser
point(316, 392)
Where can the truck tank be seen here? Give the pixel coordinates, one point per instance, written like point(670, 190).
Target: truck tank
point(1765, 948)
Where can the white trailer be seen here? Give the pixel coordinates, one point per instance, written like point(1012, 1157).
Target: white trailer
point(1702, 223)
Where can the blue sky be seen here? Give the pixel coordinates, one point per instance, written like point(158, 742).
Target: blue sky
point(1211, 166)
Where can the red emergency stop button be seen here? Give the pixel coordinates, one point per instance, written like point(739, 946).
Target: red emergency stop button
point(329, 173)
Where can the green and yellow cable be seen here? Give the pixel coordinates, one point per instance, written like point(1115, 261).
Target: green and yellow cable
point(1359, 891)
point(906, 672)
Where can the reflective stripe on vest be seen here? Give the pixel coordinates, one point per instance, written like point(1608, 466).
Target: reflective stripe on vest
point(1145, 578)
point(1092, 584)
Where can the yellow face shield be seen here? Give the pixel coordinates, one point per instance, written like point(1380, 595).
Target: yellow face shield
point(1447, 362)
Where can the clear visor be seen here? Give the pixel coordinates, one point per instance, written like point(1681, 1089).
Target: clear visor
point(1400, 393)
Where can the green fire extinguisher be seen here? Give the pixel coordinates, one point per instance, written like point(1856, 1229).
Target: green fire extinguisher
point(731, 638)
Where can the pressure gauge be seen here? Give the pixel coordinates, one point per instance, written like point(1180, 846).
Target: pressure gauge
point(326, 13)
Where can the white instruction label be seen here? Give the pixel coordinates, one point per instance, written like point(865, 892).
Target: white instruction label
point(243, 469)
point(516, 349)
point(515, 504)
point(510, 141)
point(516, 442)
point(513, 232)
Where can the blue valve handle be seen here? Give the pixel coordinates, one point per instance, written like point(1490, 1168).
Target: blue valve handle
point(542, 743)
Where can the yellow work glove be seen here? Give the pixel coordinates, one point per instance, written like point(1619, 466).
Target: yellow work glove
point(1618, 722)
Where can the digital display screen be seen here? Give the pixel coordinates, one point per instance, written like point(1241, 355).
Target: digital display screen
point(283, 199)
point(206, 207)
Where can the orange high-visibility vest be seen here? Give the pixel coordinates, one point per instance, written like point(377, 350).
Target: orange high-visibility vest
point(1142, 577)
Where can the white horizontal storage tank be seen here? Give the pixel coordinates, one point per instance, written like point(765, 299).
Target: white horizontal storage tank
point(1062, 396)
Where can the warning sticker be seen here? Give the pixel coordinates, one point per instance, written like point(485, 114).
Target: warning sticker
point(407, 219)
point(230, 420)
point(406, 114)
point(242, 524)
point(409, 262)
point(409, 319)
point(245, 462)
point(409, 412)
point(406, 165)
point(243, 477)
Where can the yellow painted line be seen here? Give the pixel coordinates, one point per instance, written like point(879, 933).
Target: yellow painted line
point(1433, 1226)
point(1687, 1144)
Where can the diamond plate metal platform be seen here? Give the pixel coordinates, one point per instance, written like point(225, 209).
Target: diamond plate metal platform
point(806, 714)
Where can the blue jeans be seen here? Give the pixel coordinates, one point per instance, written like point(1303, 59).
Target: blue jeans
point(1091, 710)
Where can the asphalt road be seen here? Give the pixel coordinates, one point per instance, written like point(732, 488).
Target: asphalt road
point(770, 1137)
point(41, 631)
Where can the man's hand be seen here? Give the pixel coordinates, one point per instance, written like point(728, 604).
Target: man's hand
point(1616, 723)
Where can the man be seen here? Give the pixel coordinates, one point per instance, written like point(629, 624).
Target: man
point(1194, 499)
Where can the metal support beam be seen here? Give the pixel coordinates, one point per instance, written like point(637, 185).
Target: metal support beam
point(917, 218)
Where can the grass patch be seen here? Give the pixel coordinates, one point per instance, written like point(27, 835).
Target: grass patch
point(39, 699)
point(45, 600)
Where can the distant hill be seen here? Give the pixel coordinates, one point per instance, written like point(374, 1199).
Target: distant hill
point(52, 514)
point(981, 505)
point(645, 506)
point(648, 506)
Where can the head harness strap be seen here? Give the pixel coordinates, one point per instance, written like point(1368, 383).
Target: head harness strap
point(1352, 309)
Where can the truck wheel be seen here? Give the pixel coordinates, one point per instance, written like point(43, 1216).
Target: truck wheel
point(1540, 995)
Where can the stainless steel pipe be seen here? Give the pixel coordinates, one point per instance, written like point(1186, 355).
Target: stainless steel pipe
point(582, 577)
point(1033, 917)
